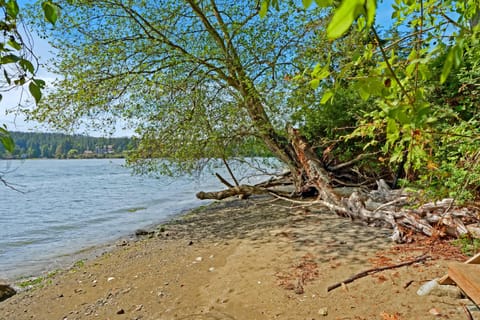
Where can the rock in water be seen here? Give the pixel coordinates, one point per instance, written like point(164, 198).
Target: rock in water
point(6, 291)
point(141, 232)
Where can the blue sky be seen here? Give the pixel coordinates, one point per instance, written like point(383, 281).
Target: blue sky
point(43, 50)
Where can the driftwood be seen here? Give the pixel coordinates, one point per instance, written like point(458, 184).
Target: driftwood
point(242, 191)
point(383, 206)
point(376, 270)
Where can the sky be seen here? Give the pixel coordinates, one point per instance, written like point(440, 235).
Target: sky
point(17, 122)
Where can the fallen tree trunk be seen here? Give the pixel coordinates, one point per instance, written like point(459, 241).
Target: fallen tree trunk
point(243, 191)
point(383, 206)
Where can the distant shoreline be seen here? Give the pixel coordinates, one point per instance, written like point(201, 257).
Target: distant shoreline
point(119, 156)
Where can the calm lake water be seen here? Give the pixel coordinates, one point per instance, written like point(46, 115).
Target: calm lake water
point(70, 205)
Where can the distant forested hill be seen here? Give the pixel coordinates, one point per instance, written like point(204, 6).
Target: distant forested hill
point(62, 146)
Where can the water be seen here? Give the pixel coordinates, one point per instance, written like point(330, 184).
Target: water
point(69, 205)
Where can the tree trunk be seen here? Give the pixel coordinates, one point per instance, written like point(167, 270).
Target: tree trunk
point(380, 207)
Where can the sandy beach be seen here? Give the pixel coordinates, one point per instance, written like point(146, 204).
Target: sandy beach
point(248, 259)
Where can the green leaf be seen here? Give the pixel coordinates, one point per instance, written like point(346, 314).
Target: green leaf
point(327, 95)
point(315, 83)
point(50, 11)
point(307, 3)
point(27, 65)
point(12, 8)
point(264, 8)
point(6, 140)
point(324, 3)
point(447, 66)
point(14, 44)
point(40, 83)
point(343, 18)
point(364, 93)
point(7, 77)
point(392, 129)
point(371, 7)
point(10, 58)
point(453, 60)
point(35, 91)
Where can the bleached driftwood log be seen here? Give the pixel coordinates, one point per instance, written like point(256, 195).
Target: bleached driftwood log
point(382, 206)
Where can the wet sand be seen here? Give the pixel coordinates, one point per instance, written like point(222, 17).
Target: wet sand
point(247, 259)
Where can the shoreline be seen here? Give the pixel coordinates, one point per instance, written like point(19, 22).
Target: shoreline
point(245, 259)
point(62, 262)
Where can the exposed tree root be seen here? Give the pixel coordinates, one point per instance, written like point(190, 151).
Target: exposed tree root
point(383, 206)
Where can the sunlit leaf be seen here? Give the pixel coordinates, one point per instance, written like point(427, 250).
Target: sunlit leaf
point(371, 7)
point(453, 60)
point(327, 95)
point(447, 65)
point(12, 8)
point(315, 83)
point(50, 11)
point(307, 3)
point(324, 3)
point(343, 18)
point(263, 9)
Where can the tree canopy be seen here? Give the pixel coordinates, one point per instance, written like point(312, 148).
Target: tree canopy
point(18, 63)
point(340, 100)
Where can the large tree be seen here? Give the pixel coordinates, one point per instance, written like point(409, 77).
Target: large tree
point(196, 78)
point(200, 79)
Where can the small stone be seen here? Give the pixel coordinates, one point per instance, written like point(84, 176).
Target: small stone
point(110, 279)
point(211, 269)
point(139, 307)
point(121, 243)
point(121, 311)
point(199, 259)
point(323, 311)
point(190, 243)
point(435, 312)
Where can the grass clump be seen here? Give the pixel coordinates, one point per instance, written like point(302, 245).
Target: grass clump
point(468, 244)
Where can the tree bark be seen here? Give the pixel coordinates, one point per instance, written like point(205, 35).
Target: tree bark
point(243, 191)
point(379, 207)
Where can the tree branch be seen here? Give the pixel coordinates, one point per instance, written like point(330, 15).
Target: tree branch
point(390, 68)
point(376, 270)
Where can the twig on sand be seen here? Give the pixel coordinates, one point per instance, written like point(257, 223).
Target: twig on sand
point(375, 270)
